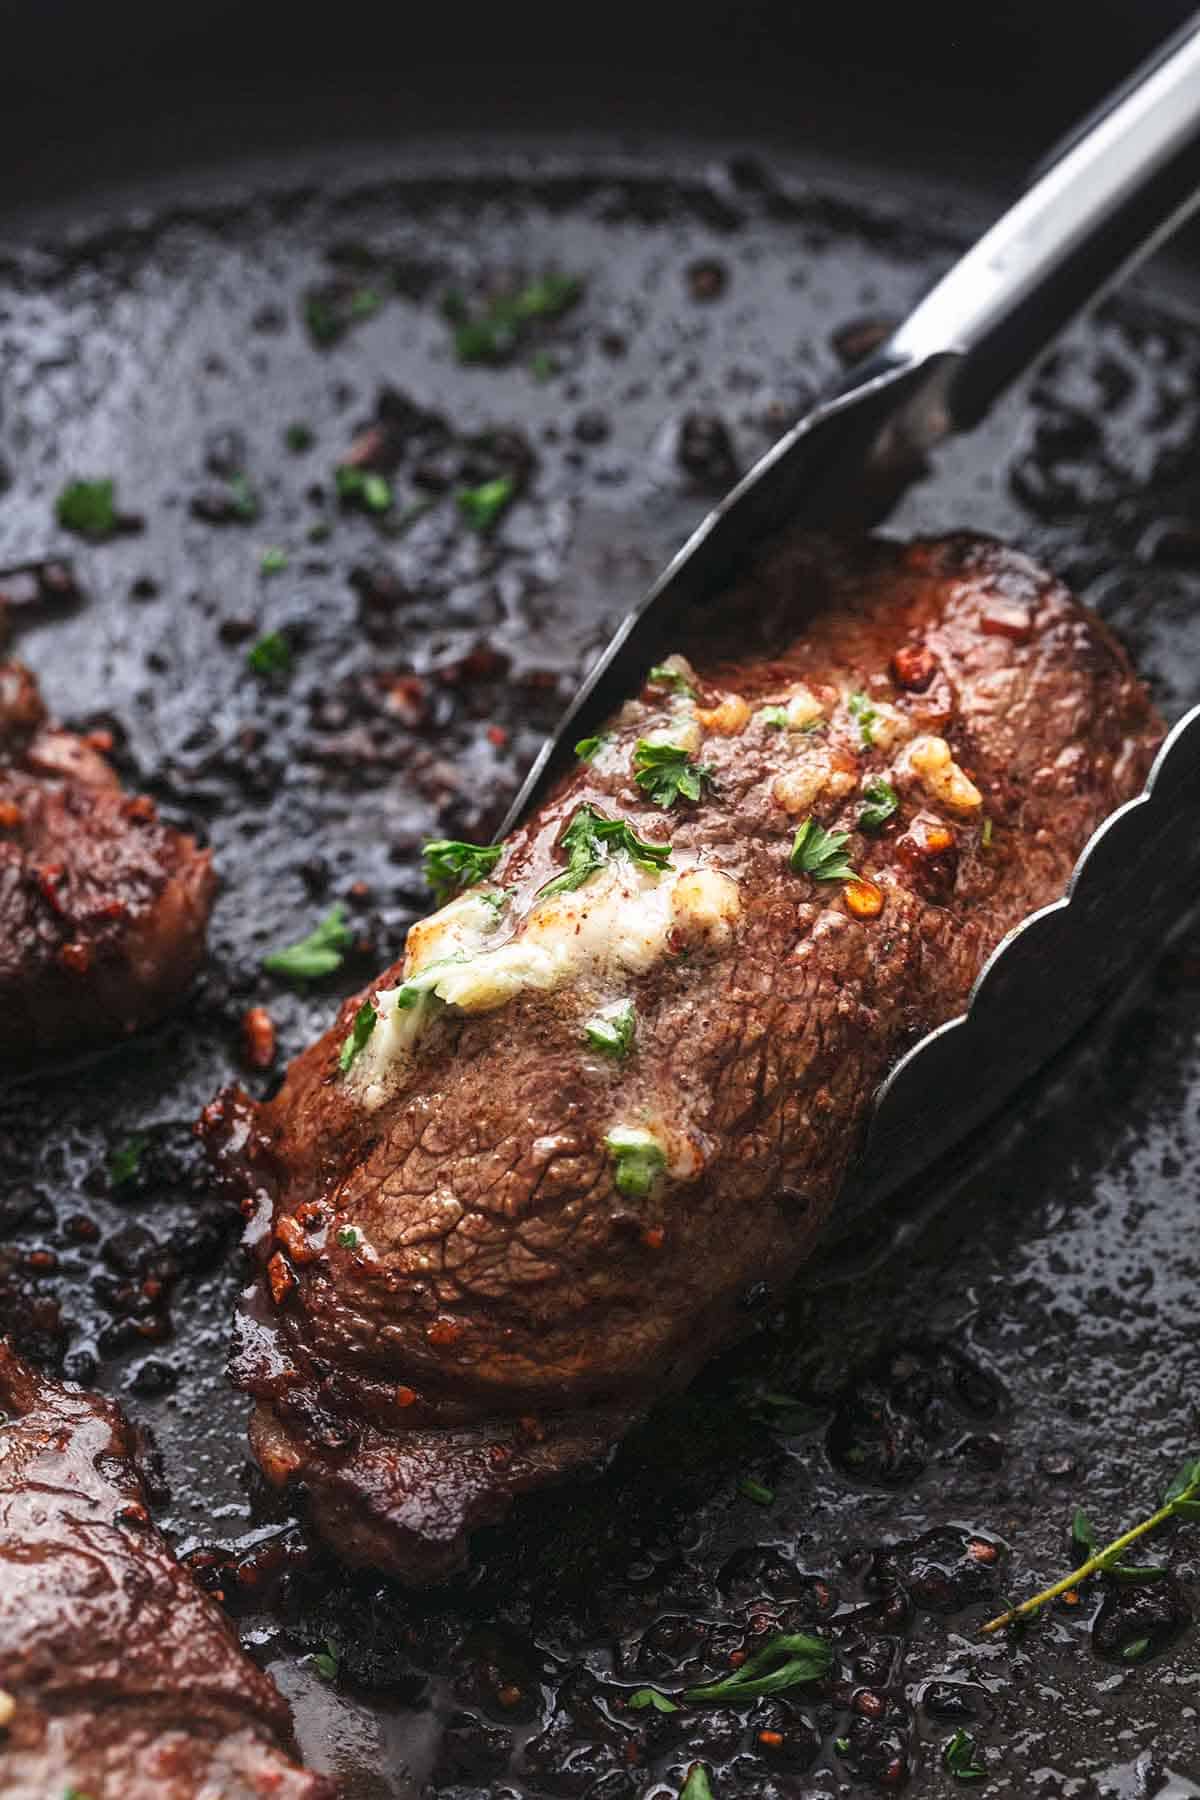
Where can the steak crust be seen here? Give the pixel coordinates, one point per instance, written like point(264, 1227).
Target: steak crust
point(459, 1290)
point(103, 907)
point(119, 1678)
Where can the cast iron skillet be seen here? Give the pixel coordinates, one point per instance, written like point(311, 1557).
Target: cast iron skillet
point(1020, 1339)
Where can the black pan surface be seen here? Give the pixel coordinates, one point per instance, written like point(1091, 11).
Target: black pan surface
point(1015, 1340)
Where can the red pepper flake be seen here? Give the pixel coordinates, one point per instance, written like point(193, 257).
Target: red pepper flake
point(280, 1278)
point(497, 736)
point(75, 957)
point(654, 1237)
point(443, 1332)
point(771, 1740)
point(406, 1396)
point(258, 1038)
point(152, 1289)
point(509, 1695)
point(42, 1262)
point(295, 1240)
point(142, 808)
point(49, 879)
point(10, 815)
point(870, 1705)
point(981, 1552)
point(913, 667)
point(360, 890)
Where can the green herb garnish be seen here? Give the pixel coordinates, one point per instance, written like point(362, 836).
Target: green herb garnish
point(299, 437)
point(651, 1697)
point(451, 865)
point(88, 507)
point(245, 500)
point(494, 334)
point(637, 1158)
point(819, 853)
point(774, 717)
point(1134, 1651)
point(271, 655)
point(1181, 1501)
point(591, 838)
point(697, 1786)
point(123, 1164)
point(865, 716)
point(320, 953)
point(662, 676)
point(74, 1793)
point(542, 366)
point(1084, 1536)
point(958, 1758)
point(355, 1040)
point(756, 1491)
point(612, 1031)
point(587, 748)
point(347, 1237)
point(665, 773)
point(985, 835)
point(325, 1661)
point(882, 801)
point(841, 1745)
point(273, 560)
point(786, 1661)
point(362, 488)
point(482, 506)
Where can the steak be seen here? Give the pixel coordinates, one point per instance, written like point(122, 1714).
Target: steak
point(103, 907)
point(524, 1182)
point(119, 1677)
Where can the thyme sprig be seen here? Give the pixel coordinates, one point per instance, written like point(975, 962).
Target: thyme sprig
point(1181, 1501)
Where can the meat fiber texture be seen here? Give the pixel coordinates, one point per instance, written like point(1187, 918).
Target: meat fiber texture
point(103, 907)
point(119, 1678)
point(470, 1279)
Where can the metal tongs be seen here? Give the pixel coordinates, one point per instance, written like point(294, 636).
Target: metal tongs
point(1105, 197)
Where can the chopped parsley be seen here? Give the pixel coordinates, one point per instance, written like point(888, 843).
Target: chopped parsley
point(820, 853)
point(786, 1660)
point(347, 1237)
point(362, 488)
point(419, 987)
point(123, 1164)
point(482, 506)
point(665, 773)
point(542, 366)
point(88, 507)
point(882, 801)
point(591, 838)
point(985, 835)
point(589, 747)
point(273, 560)
point(756, 1491)
point(451, 865)
point(243, 497)
point(1135, 1651)
point(74, 1793)
point(662, 676)
point(270, 656)
point(299, 437)
point(637, 1158)
point(774, 717)
point(697, 1786)
point(958, 1758)
point(651, 1697)
point(865, 717)
point(493, 335)
point(612, 1031)
point(329, 312)
point(325, 1662)
point(355, 1040)
point(320, 953)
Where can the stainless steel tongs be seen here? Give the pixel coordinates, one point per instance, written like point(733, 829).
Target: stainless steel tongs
point(1104, 198)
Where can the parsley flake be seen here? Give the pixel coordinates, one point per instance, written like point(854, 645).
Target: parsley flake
point(697, 1786)
point(882, 801)
point(591, 838)
point(820, 853)
point(1134, 1652)
point(774, 717)
point(482, 506)
point(355, 1040)
point(665, 773)
point(662, 675)
point(243, 498)
point(451, 865)
point(786, 1660)
point(320, 953)
point(651, 1697)
point(273, 560)
point(123, 1164)
point(494, 334)
point(865, 717)
point(588, 748)
point(756, 1491)
point(270, 656)
point(88, 507)
point(347, 1237)
point(612, 1031)
point(362, 488)
point(325, 1661)
point(958, 1758)
point(637, 1158)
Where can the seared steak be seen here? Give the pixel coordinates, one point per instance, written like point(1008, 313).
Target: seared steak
point(119, 1678)
point(103, 908)
point(520, 1186)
